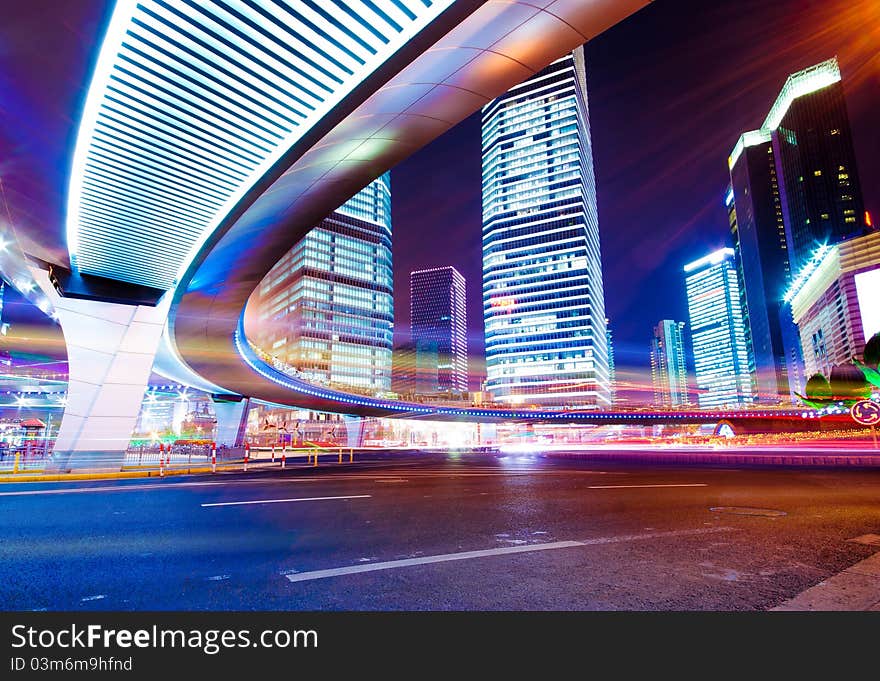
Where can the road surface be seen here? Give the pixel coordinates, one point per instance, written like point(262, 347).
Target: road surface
point(436, 532)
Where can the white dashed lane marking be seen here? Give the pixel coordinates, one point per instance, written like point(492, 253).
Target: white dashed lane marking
point(486, 553)
point(283, 501)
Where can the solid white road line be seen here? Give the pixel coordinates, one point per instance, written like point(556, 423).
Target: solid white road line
point(284, 501)
point(693, 484)
point(467, 555)
point(158, 485)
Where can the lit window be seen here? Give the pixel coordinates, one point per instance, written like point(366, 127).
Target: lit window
point(817, 173)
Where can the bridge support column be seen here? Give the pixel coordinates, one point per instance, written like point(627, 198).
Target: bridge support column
point(110, 353)
point(231, 421)
point(354, 427)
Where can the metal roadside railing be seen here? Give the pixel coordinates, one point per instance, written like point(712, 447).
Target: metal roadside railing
point(22, 460)
point(162, 459)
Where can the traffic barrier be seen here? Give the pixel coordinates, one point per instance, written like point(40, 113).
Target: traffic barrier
point(351, 455)
point(161, 465)
point(273, 452)
point(213, 458)
point(246, 456)
point(282, 458)
point(316, 458)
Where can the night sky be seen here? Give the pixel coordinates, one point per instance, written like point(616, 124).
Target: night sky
point(670, 91)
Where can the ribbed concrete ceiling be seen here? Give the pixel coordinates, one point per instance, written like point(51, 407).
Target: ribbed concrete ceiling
point(192, 103)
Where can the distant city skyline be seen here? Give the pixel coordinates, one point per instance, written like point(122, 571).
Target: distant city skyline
point(664, 119)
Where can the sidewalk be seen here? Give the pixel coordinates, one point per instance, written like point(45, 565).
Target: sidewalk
point(856, 588)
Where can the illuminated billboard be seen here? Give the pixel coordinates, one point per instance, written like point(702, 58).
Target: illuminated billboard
point(868, 293)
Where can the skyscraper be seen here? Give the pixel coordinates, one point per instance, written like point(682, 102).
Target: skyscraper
point(795, 188)
point(669, 364)
point(439, 317)
point(717, 331)
point(762, 263)
point(612, 371)
point(819, 189)
point(543, 299)
point(816, 162)
point(326, 308)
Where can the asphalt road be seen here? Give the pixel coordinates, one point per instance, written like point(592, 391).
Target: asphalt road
point(433, 532)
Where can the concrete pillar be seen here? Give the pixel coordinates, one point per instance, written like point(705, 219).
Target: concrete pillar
point(231, 421)
point(354, 427)
point(110, 353)
point(178, 416)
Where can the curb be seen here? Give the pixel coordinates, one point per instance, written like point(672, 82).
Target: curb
point(856, 588)
point(109, 475)
point(834, 460)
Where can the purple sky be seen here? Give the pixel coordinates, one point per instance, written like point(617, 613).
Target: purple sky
point(670, 91)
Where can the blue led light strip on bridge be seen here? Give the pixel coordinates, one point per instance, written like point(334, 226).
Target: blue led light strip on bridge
point(192, 103)
point(396, 407)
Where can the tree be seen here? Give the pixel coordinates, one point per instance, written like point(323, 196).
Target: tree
point(848, 382)
point(818, 388)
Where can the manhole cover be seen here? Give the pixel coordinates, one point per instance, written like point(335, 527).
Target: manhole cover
point(743, 510)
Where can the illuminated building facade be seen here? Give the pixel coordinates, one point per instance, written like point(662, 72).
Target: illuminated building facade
point(817, 180)
point(730, 204)
point(721, 357)
point(834, 302)
point(669, 364)
point(416, 366)
point(816, 162)
point(543, 299)
point(758, 230)
point(795, 186)
point(439, 317)
point(326, 308)
point(612, 371)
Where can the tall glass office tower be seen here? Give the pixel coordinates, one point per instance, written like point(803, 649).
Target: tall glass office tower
point(669, 365)
point(721, 354)
point(439, 317)
point(326, 308)
point(762, 261)
point(543, 300)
